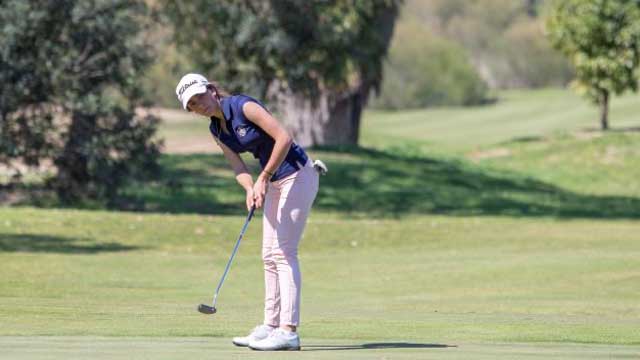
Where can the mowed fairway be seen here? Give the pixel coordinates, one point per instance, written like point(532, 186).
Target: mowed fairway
point(410, 254)
point(517, 115)
point(411, 286)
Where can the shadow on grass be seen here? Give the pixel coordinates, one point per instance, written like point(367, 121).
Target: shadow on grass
point(57, 244)
point(192, 183)
point(375, 346)
point(379, 184)
point(522, 140)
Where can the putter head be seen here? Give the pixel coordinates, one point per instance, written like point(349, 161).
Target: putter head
point(206, 309)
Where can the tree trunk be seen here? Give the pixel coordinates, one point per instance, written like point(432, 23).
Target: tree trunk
point(532, 8)
point(604, 110)
point(328, 119)
point(72, 165)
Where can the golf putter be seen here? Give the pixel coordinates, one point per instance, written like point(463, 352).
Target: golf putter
point(206, 309)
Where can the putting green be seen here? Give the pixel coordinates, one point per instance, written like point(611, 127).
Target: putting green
point(23, 348)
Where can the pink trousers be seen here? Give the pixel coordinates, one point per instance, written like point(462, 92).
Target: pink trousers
point(287, 205)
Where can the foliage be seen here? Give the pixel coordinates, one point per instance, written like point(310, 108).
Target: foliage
point(602, 40)
point(306, 45)
point(74, 68)
point(530, 59)
point(423, 70)
point(159, 80)
point(504, 39)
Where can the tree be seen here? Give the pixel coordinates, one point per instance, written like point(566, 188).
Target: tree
point(532, 7)
point(602, 40)
point(504, 39)
point(70, 70)
point(315, 60)
point(423, 70)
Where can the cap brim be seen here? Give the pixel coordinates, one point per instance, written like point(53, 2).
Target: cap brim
point(193, 90)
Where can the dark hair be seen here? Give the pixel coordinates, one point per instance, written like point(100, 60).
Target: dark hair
point(218, 90)
point(218, 93)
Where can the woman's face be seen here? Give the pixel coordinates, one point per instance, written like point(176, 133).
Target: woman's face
point(203, 104)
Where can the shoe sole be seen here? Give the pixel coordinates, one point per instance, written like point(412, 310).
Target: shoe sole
point(283, 349)
point(240, 345)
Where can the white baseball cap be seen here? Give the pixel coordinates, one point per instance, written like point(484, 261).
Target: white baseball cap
point(189, 85)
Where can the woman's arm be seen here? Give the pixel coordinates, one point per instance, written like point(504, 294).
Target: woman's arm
point(243, 177)
point(261, 117)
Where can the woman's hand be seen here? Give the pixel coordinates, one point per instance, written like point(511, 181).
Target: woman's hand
point(250, 199)
point(260, 190)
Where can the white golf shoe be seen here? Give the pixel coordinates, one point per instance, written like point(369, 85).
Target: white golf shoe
point(260, 332)
point(278, 340)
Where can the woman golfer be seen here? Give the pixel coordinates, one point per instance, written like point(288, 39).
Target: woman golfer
point(286, 188)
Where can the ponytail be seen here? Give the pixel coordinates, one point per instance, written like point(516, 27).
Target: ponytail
point(218, 91)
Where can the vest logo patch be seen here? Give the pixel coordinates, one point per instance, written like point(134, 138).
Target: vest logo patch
point(242, 131)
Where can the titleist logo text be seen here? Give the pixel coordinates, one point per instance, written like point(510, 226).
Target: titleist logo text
point(186, 86)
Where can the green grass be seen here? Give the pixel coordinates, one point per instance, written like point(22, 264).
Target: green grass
point(422, 279)
point(586, 162)
point(481, 234)
point(369, 183)
point(516, 114)
point(206, 348)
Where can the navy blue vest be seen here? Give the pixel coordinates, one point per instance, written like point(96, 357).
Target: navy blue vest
point(244, 135)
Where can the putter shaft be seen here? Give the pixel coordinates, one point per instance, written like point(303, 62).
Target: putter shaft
point(226, 270)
